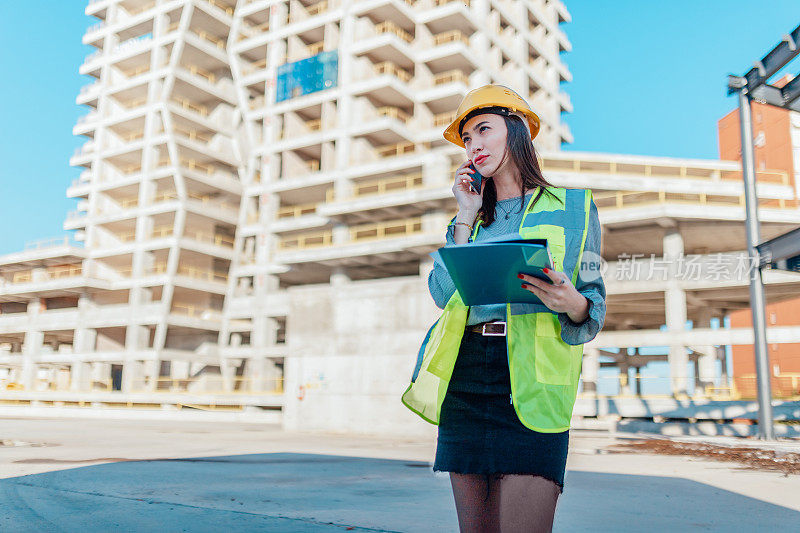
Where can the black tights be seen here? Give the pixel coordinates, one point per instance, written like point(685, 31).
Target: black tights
point(504, 502)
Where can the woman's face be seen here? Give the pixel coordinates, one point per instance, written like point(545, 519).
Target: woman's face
point(484, 137)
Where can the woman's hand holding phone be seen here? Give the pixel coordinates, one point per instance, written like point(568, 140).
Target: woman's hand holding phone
point(469, 200)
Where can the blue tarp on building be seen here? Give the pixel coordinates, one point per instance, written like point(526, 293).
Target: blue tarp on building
point(308, 75)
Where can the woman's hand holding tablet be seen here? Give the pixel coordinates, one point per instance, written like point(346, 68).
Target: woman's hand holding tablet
point(559, 295)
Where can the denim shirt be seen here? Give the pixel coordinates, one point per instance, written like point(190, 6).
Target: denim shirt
point(441, 286)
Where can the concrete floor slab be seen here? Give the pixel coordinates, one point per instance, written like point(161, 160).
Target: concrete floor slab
point(96, 476)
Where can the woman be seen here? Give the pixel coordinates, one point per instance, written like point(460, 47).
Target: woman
point(501, 380)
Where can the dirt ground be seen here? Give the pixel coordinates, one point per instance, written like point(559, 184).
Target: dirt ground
point(750, 457)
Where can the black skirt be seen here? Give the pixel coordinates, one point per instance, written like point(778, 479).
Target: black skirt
point(479, 430)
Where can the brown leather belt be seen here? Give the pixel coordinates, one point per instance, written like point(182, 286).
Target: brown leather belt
point(495, 328)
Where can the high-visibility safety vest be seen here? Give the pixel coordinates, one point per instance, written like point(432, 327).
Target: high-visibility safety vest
point(544, 370)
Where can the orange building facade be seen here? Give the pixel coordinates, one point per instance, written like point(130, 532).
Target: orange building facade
point(774, 150)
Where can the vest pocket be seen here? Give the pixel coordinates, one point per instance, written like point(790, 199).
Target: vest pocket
point(445, 340)
point(553, 358)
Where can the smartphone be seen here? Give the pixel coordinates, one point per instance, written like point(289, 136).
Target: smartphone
point(476, 179)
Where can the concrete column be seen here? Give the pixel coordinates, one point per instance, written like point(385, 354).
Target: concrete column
point(590, 370)
point(83, 344)
point(100, 372)
point(327, 161)
point(228, 372)
point(31, 350)
point(328, 115)
point(678, 357)
point(675, 311)
point(151, 371)
point(179, 370)
point(256, 369)
point(227, 369)
point(339, 276)
point(32, 345)
point(341, 234)
point(80, 376)
point(342, 189)
point(261, 370)
point(263, 332)
point(705, 368)
point(132, 375)
point(136, 339)
point(624, 376)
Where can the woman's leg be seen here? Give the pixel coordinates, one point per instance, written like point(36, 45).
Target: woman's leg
point(477, 502)
point(527, 503)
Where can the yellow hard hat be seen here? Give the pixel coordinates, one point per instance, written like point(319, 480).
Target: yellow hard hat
point(490, 96)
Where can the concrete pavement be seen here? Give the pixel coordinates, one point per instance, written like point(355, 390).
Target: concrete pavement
point(77, 475)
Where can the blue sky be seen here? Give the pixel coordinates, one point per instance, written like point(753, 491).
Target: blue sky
point(649, 78)
point(40, 51)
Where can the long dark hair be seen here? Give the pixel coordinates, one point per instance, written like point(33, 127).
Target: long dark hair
point(520, 147)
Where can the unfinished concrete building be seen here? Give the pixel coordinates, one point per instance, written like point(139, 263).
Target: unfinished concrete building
point(263, 181)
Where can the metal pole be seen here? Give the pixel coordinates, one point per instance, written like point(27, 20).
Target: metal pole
point(765, 427)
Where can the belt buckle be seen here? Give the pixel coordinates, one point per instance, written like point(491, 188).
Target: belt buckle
point(493, 325)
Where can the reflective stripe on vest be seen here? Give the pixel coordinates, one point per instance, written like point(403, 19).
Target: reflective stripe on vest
point(544, 370)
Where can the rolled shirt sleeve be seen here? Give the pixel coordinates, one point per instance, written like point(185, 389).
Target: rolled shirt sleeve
point(589, 284)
